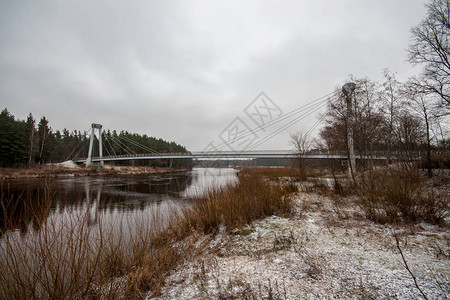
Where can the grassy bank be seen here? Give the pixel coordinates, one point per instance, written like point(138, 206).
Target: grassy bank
point(397, 194)
point(402, 195)
point(52, 171)
point(69, 259)
point(277, 173)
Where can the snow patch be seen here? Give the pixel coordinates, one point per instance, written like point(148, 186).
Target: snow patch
point(314, 256)
point(69, 164)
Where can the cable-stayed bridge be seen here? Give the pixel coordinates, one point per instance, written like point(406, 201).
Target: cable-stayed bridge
point(286, 154)
point(269, 119)
point(245, 136)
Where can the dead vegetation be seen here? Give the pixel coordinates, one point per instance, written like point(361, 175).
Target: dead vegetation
point(51, 171)
point(71, 260)
point(68, 259)
point(315, 255)
point(293, 174)
point(330, 247)
point(236, 205)
point(401, 195)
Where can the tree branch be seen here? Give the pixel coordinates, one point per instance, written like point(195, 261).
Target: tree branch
point(409, 270)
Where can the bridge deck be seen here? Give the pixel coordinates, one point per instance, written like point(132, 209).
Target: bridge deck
point(246, 154)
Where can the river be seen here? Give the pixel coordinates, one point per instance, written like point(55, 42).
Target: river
point(27, 204)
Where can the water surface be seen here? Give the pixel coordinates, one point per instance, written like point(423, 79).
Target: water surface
point(29, 203)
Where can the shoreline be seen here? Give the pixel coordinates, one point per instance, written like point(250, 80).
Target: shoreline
point(326, 250)
point(323, 244)
point(55, 171)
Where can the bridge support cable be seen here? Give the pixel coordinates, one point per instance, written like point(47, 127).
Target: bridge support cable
point(317, 103)
point(106, 149)
point(109, 143)
point(75, 148)
point(83, 144)
point(304, 107)
point(125, 146)
point(311, 129)
point(140, 145)
point(122, 146)
point(119, 145)
point(81, 148)
point(312, 105)
point(287, 125)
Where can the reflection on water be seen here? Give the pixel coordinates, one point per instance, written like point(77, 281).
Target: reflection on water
point(30, 202)
point(204, 178)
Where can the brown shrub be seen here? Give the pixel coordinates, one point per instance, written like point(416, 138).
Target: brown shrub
point(335, 186)
point(233, 206)
point(68, 259)
point(296, 174)
point(399, 194)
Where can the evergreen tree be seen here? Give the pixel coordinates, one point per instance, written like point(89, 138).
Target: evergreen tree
point(12, 140)
point(31, 141)
point(21, 143)
point(44, 136)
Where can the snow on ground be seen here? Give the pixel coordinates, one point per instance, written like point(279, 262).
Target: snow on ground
point(69, 164)
point(325, 251)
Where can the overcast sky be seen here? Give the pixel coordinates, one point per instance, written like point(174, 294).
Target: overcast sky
point(185, 70)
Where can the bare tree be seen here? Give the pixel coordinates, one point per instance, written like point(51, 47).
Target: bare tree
point(368, 118)
point(390, 96)
point(368, 121)
point(430, 47)
point(440, 132)
point(421, 105)
point(408, 131)
point(334, 132)
point(301, 142)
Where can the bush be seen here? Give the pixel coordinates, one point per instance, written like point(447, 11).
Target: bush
point(69, 259)
point(441, 161)
point(237, 204)
point(296, 174)
point(399, 194)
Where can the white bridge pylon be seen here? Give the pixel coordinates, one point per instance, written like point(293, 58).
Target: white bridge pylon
point(91, 144)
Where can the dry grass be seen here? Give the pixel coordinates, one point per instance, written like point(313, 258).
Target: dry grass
point(296, 174)
point(395, 194)
point(333, 186)
point(69, 259)
point(401, 195)
point(233, 206)
point(48, 171)
point(438, 161)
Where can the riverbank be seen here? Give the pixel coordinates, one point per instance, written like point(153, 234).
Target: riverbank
point(327, 249)
point(386, 237)
point(81, 253)
point(58, 171)
point(269, 235)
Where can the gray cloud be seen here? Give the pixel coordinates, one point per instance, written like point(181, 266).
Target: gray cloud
point(182, 70)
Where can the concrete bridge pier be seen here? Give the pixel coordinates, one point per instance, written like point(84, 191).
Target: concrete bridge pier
point(91, 144)
point(348, 90)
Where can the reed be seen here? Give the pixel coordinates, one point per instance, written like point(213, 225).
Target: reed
point(69, 258)
point(238, 204)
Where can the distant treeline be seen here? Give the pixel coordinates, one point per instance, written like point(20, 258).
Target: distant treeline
point(23, 142)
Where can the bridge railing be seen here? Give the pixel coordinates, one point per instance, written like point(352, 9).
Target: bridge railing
point(217, 154)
